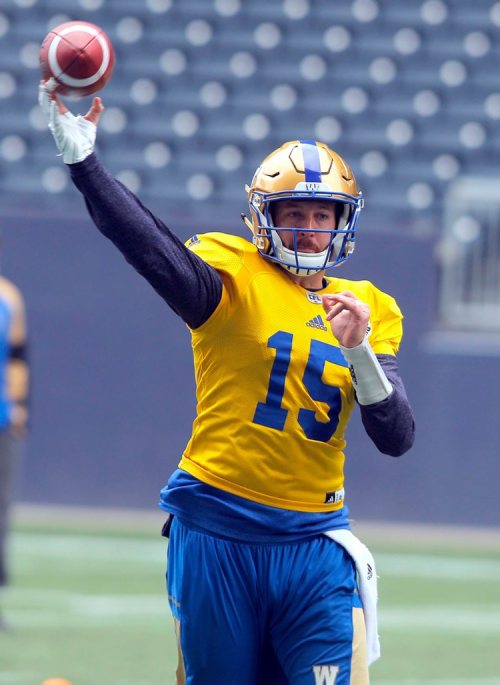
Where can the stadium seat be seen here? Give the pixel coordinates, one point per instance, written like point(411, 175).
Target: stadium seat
point(205, 89)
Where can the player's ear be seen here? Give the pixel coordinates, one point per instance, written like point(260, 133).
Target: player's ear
point(95, 111)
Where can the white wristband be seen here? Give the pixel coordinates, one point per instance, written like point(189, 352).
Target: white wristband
point(368, 377)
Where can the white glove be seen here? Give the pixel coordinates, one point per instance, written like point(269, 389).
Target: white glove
point(74, 136)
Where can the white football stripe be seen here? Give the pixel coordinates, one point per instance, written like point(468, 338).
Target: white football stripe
point(69, 80)
point(461, 619)
point(435, 566)
point(39, 602)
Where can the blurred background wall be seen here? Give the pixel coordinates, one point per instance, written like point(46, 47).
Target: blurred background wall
point(202, 91)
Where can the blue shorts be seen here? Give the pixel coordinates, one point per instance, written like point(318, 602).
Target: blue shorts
point(264, 614)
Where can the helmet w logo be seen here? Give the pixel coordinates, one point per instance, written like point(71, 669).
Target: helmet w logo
point(325, 675)
point(312, 187)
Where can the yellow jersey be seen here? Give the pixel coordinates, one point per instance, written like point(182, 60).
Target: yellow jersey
point(274, 392)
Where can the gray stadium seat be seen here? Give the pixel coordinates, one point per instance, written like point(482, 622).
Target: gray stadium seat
point(378, 80)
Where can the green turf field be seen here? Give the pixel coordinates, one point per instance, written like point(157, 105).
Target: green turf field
point(88, 604)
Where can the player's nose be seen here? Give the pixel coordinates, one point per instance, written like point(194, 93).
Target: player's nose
point(310, 221)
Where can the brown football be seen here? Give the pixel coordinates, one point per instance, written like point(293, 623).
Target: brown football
point(79, 56)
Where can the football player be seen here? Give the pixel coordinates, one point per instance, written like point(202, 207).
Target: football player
point(14, 382)
point(261, 574)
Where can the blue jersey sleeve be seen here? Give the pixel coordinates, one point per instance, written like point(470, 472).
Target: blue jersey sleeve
point(190, 286)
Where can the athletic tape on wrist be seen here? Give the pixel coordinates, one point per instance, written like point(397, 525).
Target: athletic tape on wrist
point(368, 377)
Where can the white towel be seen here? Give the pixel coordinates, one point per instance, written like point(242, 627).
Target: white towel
point(367, 583)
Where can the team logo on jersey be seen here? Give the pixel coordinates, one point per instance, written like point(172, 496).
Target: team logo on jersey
point(334, 497)
point(317, 322)
point(314, 297)
point(325, 675)
point(194, 241)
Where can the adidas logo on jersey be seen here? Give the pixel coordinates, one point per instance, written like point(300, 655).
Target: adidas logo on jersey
point(335, 497)
point(317, 322)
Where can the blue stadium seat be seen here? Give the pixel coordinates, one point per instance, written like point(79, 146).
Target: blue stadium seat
point(201, 76)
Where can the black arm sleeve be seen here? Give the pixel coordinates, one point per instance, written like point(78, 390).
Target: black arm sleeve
point(390, 423)
point(190, 286)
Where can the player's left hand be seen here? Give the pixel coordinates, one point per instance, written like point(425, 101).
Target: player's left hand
point(74, 135)
point(348, 317)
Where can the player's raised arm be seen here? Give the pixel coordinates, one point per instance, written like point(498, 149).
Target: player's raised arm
point(191, 287)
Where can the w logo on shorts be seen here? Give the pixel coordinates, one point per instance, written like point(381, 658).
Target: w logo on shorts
point(325, 675)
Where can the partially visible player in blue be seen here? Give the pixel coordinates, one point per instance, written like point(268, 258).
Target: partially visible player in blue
point(14, 385)
point(261, 563)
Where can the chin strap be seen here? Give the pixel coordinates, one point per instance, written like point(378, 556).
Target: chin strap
point(368, 377)
point(247, 222)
